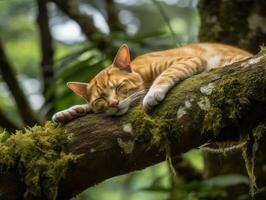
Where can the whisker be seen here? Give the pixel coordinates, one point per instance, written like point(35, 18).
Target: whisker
point(136, 95)
point(132, 98)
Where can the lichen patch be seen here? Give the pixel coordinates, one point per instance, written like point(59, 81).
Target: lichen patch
point(207, 89)
point(252, 61)
point(128, 128)
point(181, 112)
point(126, 146)
point(187, 104)
point(204, 103)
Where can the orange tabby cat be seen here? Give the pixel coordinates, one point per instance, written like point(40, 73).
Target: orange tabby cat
point(116, 87)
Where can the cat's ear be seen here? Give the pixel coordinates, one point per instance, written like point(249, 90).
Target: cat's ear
point(80, 89)
point(122, 58)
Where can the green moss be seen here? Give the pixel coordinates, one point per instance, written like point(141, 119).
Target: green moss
point(249, 154)
point(157, 128)
point(147, 124)
point(126, 146)
point(213, 120)
point(228, 100)
point(263, 49)
point(39, 151)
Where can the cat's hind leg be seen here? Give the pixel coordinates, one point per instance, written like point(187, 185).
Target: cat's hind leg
point(70, 113)
point(175, 73)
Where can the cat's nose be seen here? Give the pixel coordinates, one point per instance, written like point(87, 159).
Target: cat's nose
point(114, 103)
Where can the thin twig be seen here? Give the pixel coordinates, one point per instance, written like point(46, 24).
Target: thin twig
point(167, 21)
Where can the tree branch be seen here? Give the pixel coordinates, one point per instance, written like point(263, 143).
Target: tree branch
point(112, 17)
point(219, 105)
point(186, 117)
point(47, 50)
point(7, 123)
point(71, 8)
point(9, 77)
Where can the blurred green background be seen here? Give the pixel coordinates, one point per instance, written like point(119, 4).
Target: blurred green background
point(146, 26)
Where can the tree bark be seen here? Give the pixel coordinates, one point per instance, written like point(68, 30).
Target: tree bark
point(197, 110)
point(239, 23)
point(8, 75)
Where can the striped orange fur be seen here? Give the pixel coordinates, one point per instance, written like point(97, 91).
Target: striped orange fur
point(117, 86)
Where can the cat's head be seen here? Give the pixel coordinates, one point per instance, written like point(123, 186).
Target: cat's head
point(114, 88)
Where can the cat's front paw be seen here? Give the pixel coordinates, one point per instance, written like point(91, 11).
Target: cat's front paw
point(154, 97)
point(70, 113)
point(58, 117)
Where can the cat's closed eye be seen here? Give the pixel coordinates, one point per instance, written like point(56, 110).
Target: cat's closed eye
point(122, 88)
point(99, 103)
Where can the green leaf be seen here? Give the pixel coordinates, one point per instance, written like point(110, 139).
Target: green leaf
point(226, 180)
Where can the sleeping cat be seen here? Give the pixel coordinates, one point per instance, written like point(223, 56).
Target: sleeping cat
point(115, 88)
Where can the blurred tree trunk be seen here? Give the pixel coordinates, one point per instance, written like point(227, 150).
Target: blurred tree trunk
point(240, 23)
point(112, 17)
point(6, 123)
point(9, 76)
point(47, 52)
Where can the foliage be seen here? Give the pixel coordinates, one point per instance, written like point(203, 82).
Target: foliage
point(212, 188)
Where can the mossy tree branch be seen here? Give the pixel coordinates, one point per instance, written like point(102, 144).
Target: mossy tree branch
point(223, 104)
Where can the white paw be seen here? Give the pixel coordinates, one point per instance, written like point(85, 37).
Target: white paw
point(58, 117)
point(70, 113)
point(154, 97)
